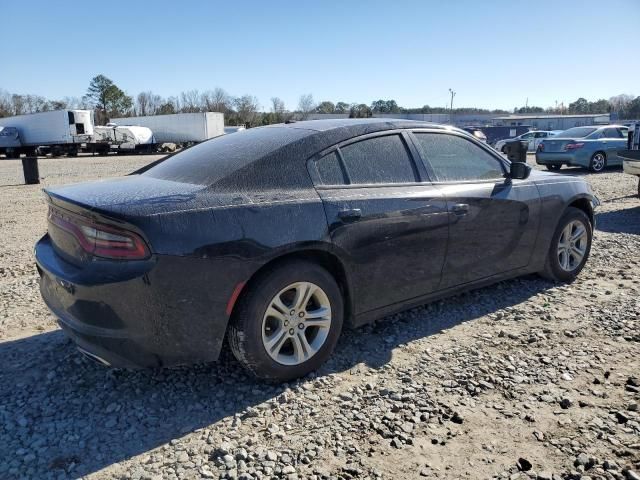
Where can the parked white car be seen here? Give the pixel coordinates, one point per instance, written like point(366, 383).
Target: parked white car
point(534, 138)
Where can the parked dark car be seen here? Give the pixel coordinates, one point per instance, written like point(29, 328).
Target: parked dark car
point(277, 236)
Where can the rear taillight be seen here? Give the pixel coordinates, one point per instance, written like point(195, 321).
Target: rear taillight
point(98, 239)
point(573, 145)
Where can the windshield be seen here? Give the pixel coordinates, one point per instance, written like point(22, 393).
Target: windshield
point(577, 132)
point(210, 161)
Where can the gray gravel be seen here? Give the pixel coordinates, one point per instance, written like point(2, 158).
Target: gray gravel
point(524, 379)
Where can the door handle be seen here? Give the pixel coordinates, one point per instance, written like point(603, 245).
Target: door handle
point(460, 208)
point(350, 214)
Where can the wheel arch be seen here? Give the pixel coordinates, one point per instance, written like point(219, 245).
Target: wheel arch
point(583, 203)
point(319, 255)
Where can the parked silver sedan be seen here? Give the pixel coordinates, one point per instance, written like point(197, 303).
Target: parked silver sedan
point(534, 139)
point(590, 147)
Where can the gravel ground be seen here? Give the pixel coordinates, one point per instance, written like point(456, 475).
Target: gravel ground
point(524, 379)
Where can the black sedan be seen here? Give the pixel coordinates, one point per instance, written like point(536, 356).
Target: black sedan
point(276, 237)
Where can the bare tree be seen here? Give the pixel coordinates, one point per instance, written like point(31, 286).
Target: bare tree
point(247, 109)
point(619, 103)
point(148, 103)
point(217, 100)
point(74, 103)
point(191, 101)
point(306, 105)
point(278, 110)
point(5, 104)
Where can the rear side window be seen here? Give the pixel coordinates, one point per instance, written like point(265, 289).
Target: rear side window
point(378, 160)
point(330, 170)
point(454, 158)
point(612, 133)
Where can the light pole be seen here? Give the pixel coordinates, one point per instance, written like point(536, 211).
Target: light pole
point(453, 94)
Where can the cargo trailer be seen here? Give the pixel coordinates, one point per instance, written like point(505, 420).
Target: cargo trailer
point(59, 132)
point(121, 139)
point(182, 128)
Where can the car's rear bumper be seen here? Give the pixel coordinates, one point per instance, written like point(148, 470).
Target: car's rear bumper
point(577, 159)
point(157, 312)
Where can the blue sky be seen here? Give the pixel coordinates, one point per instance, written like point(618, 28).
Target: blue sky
point(492, 53)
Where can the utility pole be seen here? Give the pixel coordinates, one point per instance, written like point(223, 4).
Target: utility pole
point(453, 94)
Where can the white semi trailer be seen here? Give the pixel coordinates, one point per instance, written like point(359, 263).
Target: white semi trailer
point(182, 128)
point(59, 132)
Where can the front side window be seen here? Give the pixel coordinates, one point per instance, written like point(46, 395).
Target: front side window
point(454, 158)
point(378, 160)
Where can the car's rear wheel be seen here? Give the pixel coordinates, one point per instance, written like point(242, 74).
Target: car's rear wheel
point(570, 246)
point(288, 322)
point(598, 162)
point(553, 167)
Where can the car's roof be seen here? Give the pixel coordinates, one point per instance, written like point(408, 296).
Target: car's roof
point(356, 123)
point(271, 157)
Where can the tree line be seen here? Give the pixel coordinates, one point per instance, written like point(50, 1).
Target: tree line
point(109, 101)
point(625, 106)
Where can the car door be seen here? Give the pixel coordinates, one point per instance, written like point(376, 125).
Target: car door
point(529, 137)
point(613, 140)
point(493, 220)
point(384, 217)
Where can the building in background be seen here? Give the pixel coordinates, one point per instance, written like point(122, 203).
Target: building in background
point(552, 122)
point(535, 121)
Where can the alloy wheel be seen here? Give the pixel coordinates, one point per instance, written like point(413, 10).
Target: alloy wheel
point(296, 323)
point(572, 245)
point(597, 162)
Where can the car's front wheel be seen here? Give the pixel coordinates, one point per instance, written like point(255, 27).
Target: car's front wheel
point(598, 162)
point(570, 246)
point(288, 322)
point(554, 167)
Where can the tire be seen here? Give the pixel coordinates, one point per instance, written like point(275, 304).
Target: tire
point(251, 328)
point(566, 267)
point(553, 167)
point(598, 162)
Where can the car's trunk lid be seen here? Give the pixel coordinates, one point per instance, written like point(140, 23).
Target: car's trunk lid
point(120, 203)
point(556, 144)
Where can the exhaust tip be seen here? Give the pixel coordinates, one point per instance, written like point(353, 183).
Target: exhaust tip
point(94, 357)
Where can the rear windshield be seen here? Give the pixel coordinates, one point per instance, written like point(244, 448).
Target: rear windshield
point(215, 159)
point(577, 132)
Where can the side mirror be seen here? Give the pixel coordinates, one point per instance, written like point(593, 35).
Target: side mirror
point(519, 171)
